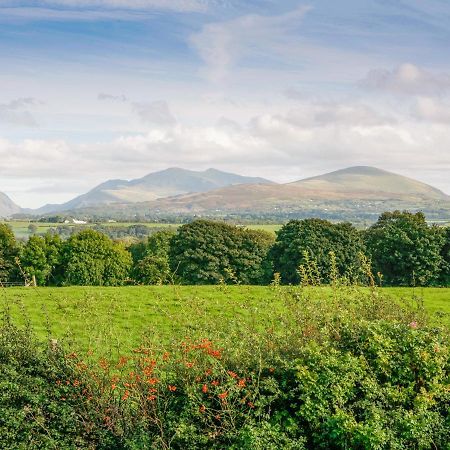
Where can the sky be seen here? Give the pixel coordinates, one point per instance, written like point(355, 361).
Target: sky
point(103, 89)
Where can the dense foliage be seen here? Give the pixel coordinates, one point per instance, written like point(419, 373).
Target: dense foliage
point(9, 251)
point(91, 258)
point(404, 249)
point(205, 252)
point(40, 256)
point(151, 259)
point(301, 240)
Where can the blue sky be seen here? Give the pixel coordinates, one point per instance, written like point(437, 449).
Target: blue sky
point(98, 89)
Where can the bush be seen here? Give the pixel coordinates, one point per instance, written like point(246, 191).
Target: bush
point(43, 403)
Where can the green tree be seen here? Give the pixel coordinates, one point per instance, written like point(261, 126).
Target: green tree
point(32, 228)
point(151, 259)
point(299, 240)
point(9, 252)
point(445, 272)
point(91, 258)
point(206, 252)
point(404, 249)
point(40, 256)
point(252, 264)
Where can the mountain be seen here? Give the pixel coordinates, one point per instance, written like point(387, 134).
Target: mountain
point(166, 183)
point(7, 206)
point(356, 194)
point(348, 185)
point(369, 181)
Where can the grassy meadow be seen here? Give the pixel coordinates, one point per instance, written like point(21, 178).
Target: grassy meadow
point(21, 231)
point(114, 320)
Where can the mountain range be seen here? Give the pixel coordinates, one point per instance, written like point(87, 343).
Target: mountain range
point(353, 191)
point(166, 183)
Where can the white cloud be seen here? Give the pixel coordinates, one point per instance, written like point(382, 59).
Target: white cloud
point(154, 113)
point(172, 5)
point(16, 112)
point(116, 98)
point(431, 110)
point(222, 45)
point(305, 141)
point(408, 79)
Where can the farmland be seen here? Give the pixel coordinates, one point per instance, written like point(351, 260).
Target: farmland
point(21, 230)
point(116, 319)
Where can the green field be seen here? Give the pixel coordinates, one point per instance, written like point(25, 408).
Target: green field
point(21, 231)
point(118, 319)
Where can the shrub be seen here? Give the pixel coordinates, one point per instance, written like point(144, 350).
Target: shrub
point(43, 403)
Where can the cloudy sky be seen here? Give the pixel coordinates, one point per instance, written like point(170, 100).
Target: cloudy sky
point(100, 89)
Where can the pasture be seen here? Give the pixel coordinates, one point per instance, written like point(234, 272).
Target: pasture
point(114, 320)
point(21, 230)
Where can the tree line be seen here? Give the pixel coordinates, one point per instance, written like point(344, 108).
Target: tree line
point(402, 248)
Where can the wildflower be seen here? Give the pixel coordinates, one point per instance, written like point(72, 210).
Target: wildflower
point(151, 397)
point(223, 395)
point(204, 389)
point(208, 372)
point(166, 356)
point(241, 383)
point(232, 374)
point(126, 395)
point(250, 405)
point(215, 354)
point(113, 386)
point(172, 388)
point(271, 370)
point(122, 361)
point(189, 365)
point(202, 408)
point(76, 383)
point(58, 382)
point(152, 381)
point(413, 325)
point(152, 390)
point(103, 364)
point(215, 383)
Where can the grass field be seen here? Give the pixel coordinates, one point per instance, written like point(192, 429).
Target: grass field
point(115, 320)
point(21, 231)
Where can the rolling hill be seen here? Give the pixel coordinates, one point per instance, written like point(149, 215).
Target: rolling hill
point(7, 206)
point(170, 182)
point(352, 185)
point(369, 181)
point(355, 193)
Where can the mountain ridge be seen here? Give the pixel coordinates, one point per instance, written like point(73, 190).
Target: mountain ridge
point(172, 181)
point(7, 206)
point(358, 186)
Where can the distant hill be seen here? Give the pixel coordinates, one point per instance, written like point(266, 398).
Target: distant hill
point(351, 184)
point(355, 193)
point(166, 183)
point(7, 206)
point(365, 181)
